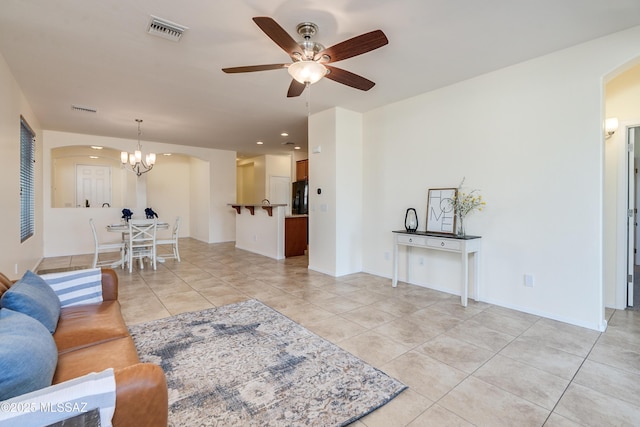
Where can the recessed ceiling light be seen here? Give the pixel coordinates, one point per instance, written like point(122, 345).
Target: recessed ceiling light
point(166, 154)
point(93, 157)
point(296, 148)
point(259, 142)
point(96, 147)
point(284, 134)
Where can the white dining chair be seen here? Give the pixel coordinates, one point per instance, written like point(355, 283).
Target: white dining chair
point(105, 247)
point(172, 241)
point(141, 242)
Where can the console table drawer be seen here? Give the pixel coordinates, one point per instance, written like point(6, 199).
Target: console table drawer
point(412, 240)
point(453, 245)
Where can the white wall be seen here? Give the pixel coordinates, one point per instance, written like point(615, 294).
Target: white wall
point(530, 138)
point(245, 182)
point(335, 215)
point(16, 257)
point(256, 173)
point(222, 190)
point(349, 189)
point(277, 166)
point(208, 179)
point(169, 191)
point(199, 206)
point(322, 207)
point(254, 191)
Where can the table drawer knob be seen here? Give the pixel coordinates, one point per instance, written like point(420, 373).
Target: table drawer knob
point(441, 243)
point(411, 240)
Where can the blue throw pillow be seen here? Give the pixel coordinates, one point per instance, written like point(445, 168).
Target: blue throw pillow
point(76, 287)
point(32, 296)
point(28, 354)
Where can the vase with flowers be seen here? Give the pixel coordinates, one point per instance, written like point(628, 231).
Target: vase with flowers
point(465, 203)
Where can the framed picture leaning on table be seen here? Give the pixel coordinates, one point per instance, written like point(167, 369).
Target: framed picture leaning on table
point(441, 216)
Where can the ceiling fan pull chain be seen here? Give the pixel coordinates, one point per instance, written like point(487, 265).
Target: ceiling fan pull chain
point(308, 99)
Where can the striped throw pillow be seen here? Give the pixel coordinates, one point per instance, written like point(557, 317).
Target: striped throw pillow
point(63, 401)
point(76, 287)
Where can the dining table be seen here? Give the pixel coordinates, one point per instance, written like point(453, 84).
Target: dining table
point(123, 228)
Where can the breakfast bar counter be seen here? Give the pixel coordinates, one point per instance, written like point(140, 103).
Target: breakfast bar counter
point(260, 228)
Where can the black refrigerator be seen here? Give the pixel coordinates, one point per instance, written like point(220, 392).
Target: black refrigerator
point(300, 196)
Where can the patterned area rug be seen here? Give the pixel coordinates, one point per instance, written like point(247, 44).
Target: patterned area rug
point(246, 364)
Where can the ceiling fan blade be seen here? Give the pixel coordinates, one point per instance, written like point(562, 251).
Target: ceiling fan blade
point(251, 68)
point(276, 33)
point(354, 46)
point(295, 88)
point(348, 78)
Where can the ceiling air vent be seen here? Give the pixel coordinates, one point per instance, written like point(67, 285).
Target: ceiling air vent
point(83, 109)
point(288, 143)
point(165, 29)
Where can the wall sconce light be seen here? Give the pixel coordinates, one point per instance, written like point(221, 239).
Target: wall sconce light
point(610, 127)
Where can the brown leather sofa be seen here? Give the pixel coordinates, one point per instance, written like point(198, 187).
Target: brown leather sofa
point(94, 337)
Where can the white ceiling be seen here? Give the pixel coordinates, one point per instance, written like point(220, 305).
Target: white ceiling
point(98, 54)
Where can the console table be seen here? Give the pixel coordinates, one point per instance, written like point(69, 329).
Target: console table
point(462, 245)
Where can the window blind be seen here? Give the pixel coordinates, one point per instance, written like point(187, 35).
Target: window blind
point(27, 184)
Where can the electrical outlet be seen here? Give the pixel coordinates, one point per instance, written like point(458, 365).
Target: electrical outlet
point(15, 268)
point(528, 280)
point(255, 237)
point(387, 256)
point(421, 261)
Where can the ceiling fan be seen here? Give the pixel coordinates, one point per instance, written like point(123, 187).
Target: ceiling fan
point(310, 58)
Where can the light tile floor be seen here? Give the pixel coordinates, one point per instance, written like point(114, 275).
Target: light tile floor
point(482, 365)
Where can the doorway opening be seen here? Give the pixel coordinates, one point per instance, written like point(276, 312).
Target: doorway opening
point(633, 257)
point(621, 94)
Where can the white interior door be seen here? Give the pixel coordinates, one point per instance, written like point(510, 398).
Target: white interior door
point(93, 185)
point(631, 214)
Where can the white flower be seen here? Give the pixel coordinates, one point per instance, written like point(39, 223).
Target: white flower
point(466, 203)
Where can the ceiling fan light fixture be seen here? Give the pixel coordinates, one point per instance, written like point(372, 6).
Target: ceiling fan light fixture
point(307, 71)
point(309, 57)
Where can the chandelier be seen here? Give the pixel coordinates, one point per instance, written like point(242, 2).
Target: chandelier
point(135, 161)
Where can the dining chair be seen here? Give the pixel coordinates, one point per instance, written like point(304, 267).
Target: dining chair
point(173, 241)
point(106, 248)
point(142, 242)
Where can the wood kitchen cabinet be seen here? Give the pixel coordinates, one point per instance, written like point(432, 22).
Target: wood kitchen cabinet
point(302, 170)
point(295, 235)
